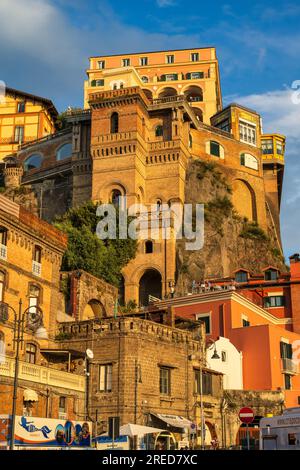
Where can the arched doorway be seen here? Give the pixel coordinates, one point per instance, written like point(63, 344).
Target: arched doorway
point(148, 93)
point(244, 200)
point(150, 284)
point(193, 94)
point(93, 309)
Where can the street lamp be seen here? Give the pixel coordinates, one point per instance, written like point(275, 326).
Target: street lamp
point(31, 321)
point(89, 355)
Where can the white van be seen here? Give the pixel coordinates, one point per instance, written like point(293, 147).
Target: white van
point(281, 432)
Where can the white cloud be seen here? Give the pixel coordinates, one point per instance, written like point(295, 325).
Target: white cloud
point(281, 114)
point(165, 3)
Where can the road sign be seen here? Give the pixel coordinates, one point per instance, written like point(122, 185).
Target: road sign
point(246, 415)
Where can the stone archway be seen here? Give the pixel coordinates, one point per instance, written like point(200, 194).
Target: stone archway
point(150, 284)
point(244, 199)
point(93, 309)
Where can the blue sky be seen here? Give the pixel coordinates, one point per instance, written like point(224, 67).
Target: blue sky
point(45, 45)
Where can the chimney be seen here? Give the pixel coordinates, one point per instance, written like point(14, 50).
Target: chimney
point(295, 266)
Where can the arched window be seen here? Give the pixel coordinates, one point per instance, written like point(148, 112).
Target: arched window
point(30, 355)
point(145, 79)
point(149, 247)
point(2, 285)
point(114, 123)
point(115, 197)
point(32, 162)
point(159, 131)
point(3, 242)
point(249, 161)
point(65, 151)
point(158, 204)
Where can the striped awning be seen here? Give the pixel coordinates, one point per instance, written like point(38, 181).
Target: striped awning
point(30, 395)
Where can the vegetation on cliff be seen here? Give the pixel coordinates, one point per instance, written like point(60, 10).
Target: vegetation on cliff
point(102, 258)
point(231, 241)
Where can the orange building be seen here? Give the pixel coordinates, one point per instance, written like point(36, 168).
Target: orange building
point(260, 316)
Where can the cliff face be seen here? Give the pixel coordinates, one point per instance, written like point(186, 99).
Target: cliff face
point(230, 241)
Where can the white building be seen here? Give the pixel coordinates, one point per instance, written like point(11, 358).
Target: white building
point(230, 363)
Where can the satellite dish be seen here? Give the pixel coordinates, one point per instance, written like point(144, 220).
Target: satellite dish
point(89, 353)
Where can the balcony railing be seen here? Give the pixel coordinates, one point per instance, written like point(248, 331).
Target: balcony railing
point(42, 375)
point(36, 268)
point(3, 252)
point(290, 366)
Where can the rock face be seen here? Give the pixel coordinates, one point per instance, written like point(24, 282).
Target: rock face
point(230, 241)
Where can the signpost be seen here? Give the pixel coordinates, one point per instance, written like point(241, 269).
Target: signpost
point(246, 416)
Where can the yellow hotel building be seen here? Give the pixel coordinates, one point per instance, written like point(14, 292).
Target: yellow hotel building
point(193, 73)
point(24, 118)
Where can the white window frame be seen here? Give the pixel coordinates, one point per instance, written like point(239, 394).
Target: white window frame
point(248, 124)
point(199, 316)
point(105, 378)
point(126, 62)
point(171, 61)
point(195, 54)
point(143, 59)
point(102, 66)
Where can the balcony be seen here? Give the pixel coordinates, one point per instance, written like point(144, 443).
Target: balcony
point(3, 252)
point(36, 268)
point(42, 375)
point(289, 366)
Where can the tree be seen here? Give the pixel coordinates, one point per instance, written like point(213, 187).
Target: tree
point(102, 258)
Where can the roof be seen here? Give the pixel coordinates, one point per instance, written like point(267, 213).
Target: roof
point(48, 103)
point(236, 105)
point(153, 52)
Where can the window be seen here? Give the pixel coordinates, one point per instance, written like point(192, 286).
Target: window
point(21, 107)
point(32, 162)
point(170, 59)
point(195, 56)
point(190, 141)
point(62, 404)
point(207, 383)
point(224, 356)
point(145, 79)
point(2, 285)
point(101, 64)
point(271, 275)
point(279, 147)
point(19, 134)
point(170, 77)
point(274, 301)
point(3, 242)
point(249, 161)
point(97, 82)
point(65, 151)
point(148, 247)
point(215, 149)
point(286, 350)
point(224, 125)
point(159, 131)
point(115, 197)
point(34, 298)
point(292, 439)
point(245, 322)
point(143, 61)
point(205, 317)
point(241, 276)
point(207, 388)
point(267, 146)
point(247, 133)
point(105, 378)
point(125, 62)
point(287, 382)
point(114, 123)
point(30, 354)
point(165, 380)
point(36, 261)
point(194, 75)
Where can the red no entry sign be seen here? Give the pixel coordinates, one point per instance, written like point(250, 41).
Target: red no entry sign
point(246, 415)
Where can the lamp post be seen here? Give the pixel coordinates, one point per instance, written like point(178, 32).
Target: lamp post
point(214, 356)
point(31, 320)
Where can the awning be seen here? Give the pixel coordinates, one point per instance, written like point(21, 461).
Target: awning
point(30, 395)
point(137, 430)
point(175, 421)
